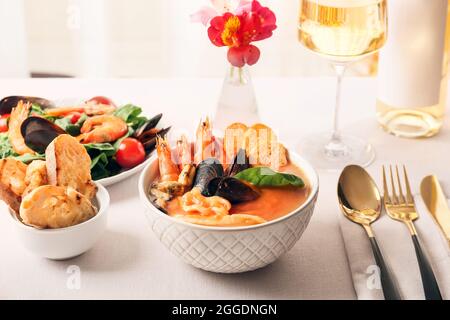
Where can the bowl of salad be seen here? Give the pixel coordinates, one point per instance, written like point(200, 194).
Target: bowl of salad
point(119, 139)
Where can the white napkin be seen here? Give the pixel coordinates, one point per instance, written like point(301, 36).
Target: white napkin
point(398, 251)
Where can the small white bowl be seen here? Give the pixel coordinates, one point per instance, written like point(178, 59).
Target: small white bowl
point(224, 249)
point(65, 243)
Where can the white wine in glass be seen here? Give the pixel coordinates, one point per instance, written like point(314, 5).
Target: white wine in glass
point(341, 31)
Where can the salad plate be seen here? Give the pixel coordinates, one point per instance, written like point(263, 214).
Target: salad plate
point(119, 138)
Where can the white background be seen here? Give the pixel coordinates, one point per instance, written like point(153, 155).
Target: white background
point(136, 38)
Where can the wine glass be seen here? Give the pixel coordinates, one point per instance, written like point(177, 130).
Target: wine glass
point(342, 31)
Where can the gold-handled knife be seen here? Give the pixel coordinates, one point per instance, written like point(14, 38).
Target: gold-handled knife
point(436, 202)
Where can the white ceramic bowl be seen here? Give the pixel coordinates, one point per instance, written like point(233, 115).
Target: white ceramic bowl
point(229, 250)
point(65, 243)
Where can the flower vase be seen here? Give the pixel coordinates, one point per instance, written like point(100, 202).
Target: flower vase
point(237, 102)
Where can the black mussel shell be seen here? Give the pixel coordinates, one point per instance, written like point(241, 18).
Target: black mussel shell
point(150, 124)
point(207, 170)
point(240, 163)
point(149, 141)
point(213, 185)
point(38, 133)
point(148, 135)
point(235, 190)
point(8, 103)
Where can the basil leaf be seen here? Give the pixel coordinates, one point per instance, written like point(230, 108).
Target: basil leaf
point(131, 115)
point(28, 157)
point(266, 177)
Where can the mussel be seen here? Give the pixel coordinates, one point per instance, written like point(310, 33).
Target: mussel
point(148, 138)
point(235, 190)
point(8, 103)
point(150, 124)
point(212, 181)
point(148, 132)
point(38, 133)
point(207, 170)
point(240, 163)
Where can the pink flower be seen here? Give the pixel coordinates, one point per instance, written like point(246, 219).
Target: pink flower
point(219, 7)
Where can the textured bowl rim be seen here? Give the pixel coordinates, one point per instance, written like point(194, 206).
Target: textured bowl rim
point(303, 164)
point(103, 201)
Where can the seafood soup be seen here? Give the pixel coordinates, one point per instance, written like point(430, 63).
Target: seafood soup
point(249, 183)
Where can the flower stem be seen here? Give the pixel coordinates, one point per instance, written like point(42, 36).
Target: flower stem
point(241, 79)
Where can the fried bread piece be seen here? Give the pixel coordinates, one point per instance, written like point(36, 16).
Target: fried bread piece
point(55, 207)
point(68, 165)
point(12, 181)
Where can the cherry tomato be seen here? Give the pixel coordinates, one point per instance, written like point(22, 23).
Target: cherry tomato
point(131, 153)
point(4, 122)
point(75, 117)
point(102, 100)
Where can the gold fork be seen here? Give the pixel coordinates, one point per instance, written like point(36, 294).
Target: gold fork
point(402, 208)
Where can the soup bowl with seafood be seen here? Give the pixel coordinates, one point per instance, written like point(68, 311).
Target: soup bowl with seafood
point(228, 204)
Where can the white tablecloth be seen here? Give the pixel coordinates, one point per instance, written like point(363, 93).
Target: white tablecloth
point(129, 262)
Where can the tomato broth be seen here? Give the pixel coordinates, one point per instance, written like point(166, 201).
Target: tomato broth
point(273, 203)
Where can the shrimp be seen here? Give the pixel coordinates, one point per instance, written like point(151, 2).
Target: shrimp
point(167, 169)
point(184, 151)
point(175, 180)
point(105, 128)
point(18, 115)
point(204, 143)
point(89, 108)
point(186, 177)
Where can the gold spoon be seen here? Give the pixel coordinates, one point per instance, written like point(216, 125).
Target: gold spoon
point(360, 202)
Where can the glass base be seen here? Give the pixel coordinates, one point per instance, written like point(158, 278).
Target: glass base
point(326, 154)
point(410, 123)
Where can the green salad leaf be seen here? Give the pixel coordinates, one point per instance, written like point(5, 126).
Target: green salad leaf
point(266, 177)
point(37, 110)
point(102, 160)
point(131, 114)
point(71, 128)
point(28, 157)
point(6, 149)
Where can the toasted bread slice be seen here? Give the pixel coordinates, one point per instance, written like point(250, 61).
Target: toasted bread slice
point(18, 115)
point(263, 148)
point(12, 181)
point(36, 176)
point(69, 165)
point(55, 207)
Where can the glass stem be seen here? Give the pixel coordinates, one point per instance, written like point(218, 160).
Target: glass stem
point(340, 70)
point(335, 148)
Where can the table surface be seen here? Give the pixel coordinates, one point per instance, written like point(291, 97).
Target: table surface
point(128, 262)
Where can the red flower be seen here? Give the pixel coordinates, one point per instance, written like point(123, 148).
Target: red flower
point(237, 31)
